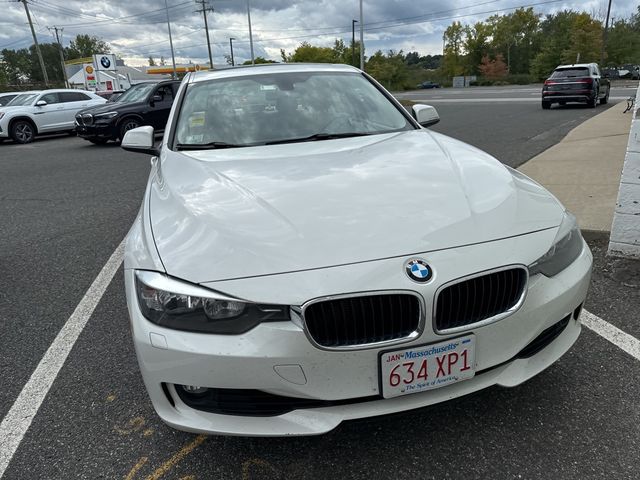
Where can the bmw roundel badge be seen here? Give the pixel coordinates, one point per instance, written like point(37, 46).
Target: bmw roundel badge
point(418, 270)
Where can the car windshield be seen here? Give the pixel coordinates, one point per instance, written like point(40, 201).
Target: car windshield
point(571, 72)
point(22, 100)
point(283, 108)
point(137, 93)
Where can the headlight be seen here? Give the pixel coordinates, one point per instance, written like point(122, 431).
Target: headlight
point(179, 305)
point(105, 116)
point(565, 249)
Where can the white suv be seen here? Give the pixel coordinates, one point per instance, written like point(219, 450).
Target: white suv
point(46, 111)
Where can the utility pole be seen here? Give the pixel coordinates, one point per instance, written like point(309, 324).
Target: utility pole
point(604, 36)
point(35, 42)
point(64, 71)
point(204, 8)
point(353, 42)
point(173, 56)
point(361, 38)
point(233, 63)
point(253, 59)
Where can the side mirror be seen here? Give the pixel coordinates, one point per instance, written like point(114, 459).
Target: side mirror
point(425, 115)
point(140, 140)
point(156, 98)
point(41, 103)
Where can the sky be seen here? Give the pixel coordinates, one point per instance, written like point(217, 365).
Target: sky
point(138, 29)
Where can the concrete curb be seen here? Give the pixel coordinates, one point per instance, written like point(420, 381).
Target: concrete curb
point(625, 228)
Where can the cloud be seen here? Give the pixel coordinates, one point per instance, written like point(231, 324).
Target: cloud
point(137, 30)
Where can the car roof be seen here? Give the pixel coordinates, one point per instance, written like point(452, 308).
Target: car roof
point(58, 90)
point(576, 65)
point(250, 70)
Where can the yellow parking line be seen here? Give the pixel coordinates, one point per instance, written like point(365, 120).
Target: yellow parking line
point(184, 451)
point(131, 475)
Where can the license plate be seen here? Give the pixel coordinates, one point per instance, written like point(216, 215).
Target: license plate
point(417, 369)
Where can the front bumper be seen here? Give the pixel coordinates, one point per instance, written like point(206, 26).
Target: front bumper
point(255, 360)
point(96, 130)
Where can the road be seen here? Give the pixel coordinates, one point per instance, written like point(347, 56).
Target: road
point(67, 204)
point(517, 119)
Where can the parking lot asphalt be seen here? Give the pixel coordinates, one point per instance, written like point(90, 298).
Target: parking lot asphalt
point(67, 204)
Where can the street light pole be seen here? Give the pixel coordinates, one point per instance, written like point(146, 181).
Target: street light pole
point(604, 36)
point(361, 38)
point(173, 56)
point(233, 63)
point(353, 42)
point(253, 59)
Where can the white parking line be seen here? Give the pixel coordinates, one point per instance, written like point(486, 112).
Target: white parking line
point(18, 420)
point(15, 425)
point(620, 339)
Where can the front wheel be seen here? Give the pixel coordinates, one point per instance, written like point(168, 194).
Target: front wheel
point(22, 132)
point(128, 124)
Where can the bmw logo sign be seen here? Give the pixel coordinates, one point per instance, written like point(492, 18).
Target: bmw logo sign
point(418, 270)
point(105, 62)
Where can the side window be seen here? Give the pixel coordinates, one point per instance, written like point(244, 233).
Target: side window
point(72, 97)
point(166, 92)
point(50, 98)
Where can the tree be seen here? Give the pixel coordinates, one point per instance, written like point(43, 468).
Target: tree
point(476, 44)
point(258, 60)
point(585, 40)
point(555, 31)
point(453, 64)
point(493, 69)
point(623, 43)
point(85, 46)
point(22, 65)
point(309, 53)
point(389, 69)
point(152, 62)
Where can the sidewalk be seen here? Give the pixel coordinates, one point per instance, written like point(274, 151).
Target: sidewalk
point(583, 170)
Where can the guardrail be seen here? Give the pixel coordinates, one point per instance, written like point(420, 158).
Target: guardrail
point(625, 230)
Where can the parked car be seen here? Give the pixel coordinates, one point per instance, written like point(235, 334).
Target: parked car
point(331, 258)
point(576, 83)
point(6, 97)
point(428, 85)
point(146, 103)
point(45, 111)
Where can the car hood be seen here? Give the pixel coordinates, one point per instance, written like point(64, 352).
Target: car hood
point(111, 107)
point(236, 213)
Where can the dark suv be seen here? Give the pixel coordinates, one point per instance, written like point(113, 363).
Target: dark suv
point(576, 83)
point(143, 104)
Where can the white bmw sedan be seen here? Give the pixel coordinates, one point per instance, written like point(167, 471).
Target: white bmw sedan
point(307, 253)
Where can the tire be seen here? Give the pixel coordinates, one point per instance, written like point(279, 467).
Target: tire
point(128, 124)
point(546, 105)
point(98, 141)
point(22, 131)
point(605, 100)
point(593, 102)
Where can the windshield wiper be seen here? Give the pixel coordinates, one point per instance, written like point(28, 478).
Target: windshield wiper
point(319, 136)
point(206, 146)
